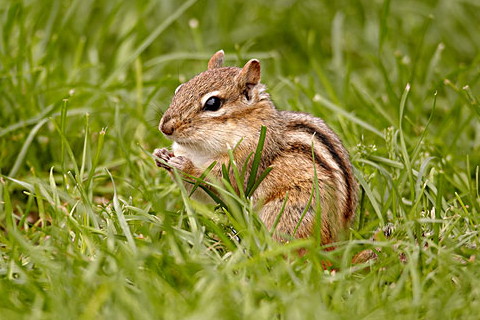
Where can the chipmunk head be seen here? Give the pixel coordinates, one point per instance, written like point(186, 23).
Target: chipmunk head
point(218, 107)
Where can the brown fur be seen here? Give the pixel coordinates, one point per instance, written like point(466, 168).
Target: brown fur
point(201, 137)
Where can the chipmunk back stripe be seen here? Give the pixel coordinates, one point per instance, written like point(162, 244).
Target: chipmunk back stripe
point(307, 150)
point(339, 160)
point(296, 148)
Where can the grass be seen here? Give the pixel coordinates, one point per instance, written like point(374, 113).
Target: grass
point(90, 228)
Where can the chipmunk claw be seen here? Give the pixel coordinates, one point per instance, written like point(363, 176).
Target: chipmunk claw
point(165, 155)
point(165, 158)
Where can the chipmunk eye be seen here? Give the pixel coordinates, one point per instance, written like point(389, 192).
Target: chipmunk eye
point(212, 104)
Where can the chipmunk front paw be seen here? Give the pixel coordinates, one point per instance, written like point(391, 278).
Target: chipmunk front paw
point(167, 160)
point(162, 157)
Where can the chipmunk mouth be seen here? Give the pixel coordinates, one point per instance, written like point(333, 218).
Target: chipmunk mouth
point(201, 146)
point(182, 139)
point(188, 143)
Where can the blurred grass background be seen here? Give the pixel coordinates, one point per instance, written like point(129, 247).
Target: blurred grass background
point(91, 228)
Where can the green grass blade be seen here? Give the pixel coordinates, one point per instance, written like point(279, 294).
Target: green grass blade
point(256, 162)
point(338, 110)
point(23, 152)
point(121, 217)
point(371, 197)
point(149, 40)
point(7, 214)
point(403, 146)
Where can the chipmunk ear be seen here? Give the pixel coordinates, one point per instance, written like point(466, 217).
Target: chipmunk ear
point(216, 61)
point(249, 76)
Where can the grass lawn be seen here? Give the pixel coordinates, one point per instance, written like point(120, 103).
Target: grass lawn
point(90, 228)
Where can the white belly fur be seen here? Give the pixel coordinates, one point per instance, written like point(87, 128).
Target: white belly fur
point(200, 159)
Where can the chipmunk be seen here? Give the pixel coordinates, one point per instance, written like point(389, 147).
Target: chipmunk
point(224, 108)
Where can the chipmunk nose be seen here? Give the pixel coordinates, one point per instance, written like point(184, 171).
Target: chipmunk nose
point(167, 128)
point(167, 125)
